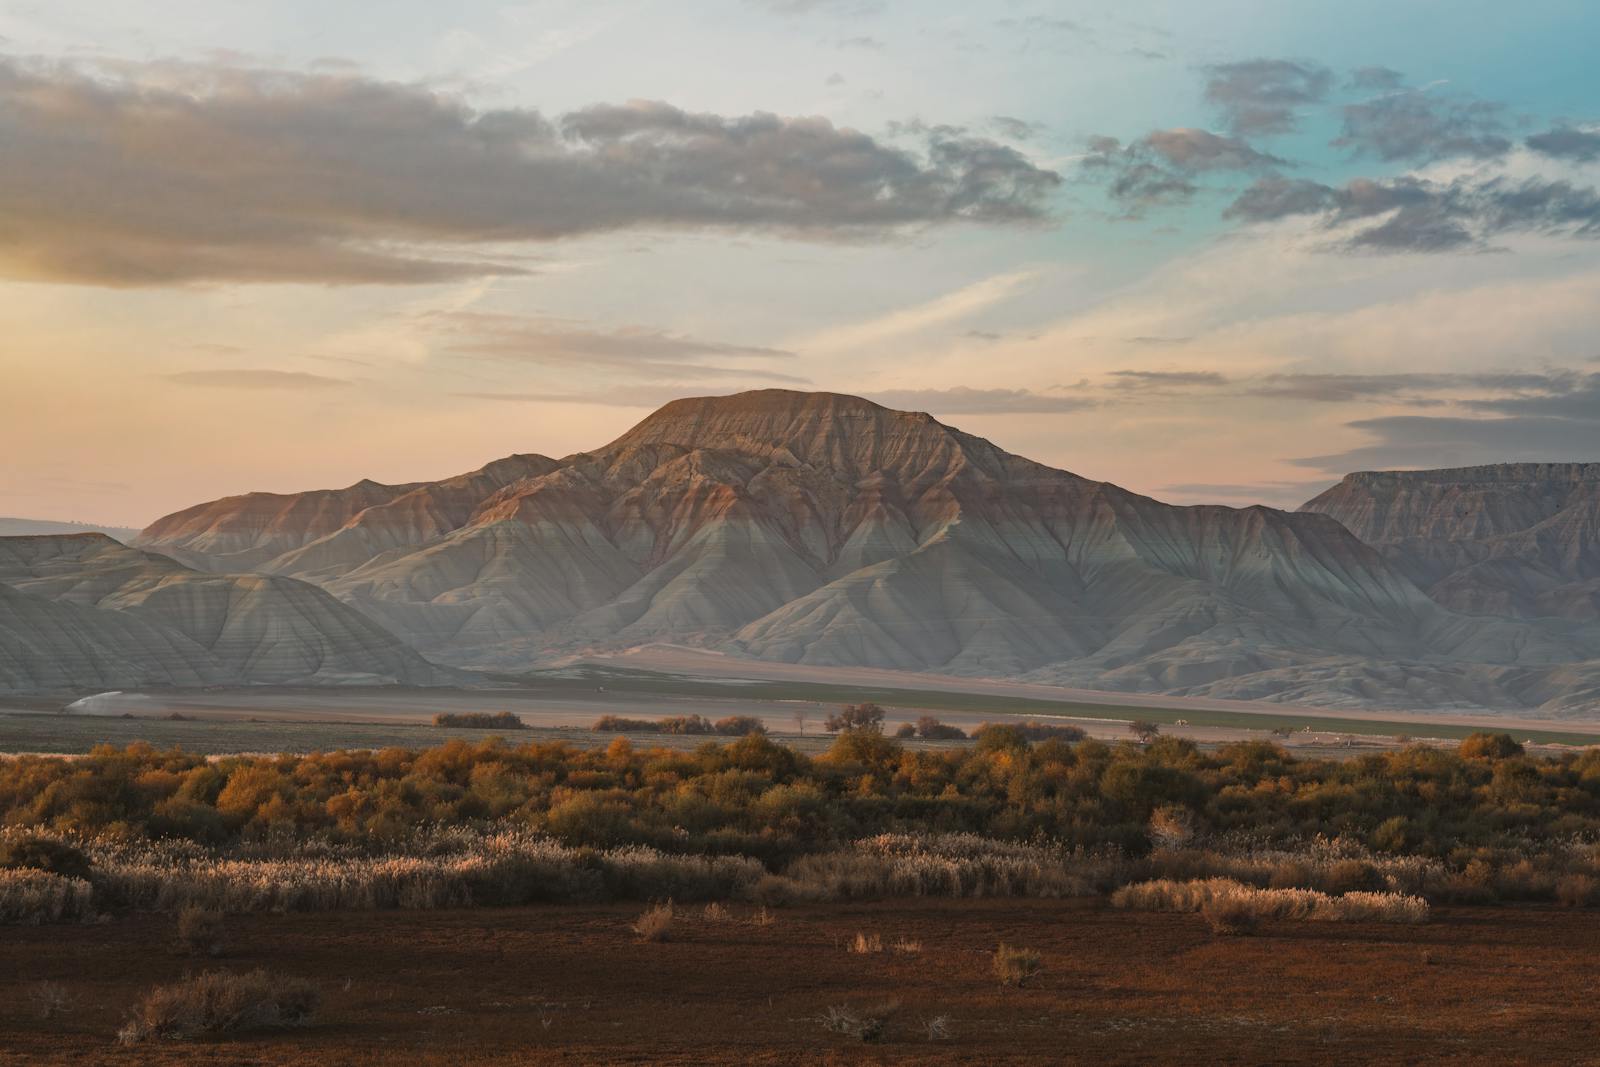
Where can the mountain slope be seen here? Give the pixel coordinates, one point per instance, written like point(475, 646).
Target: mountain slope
point(1516, 539)
point(824, 529)
point(38, 527)
point(129, 617)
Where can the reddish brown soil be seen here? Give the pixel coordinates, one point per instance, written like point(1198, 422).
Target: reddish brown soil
point(572, 985)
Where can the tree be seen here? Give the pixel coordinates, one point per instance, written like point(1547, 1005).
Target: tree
point(855, 717)
point(1144, 730)
point(801, 716)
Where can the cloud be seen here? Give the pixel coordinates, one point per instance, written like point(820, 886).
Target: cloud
point(638, 351)
point(1262, 96)
point(1403, 388)
point(162, 174)
point(1558, 421)
point(1376, 79)
point(1411, 214)
point(1164, 380)
point(1287, 495)
point(950, 307)
point(1158, 168)
point(255, 379)
point(1014, 128)
point(1567, 142)
point(964, 401)
point(1417, 125)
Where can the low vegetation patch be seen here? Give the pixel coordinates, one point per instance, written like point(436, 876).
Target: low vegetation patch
point(1223, 897)
point(32, 896)
point(868, 1024)
point(219, 1002)
point(656, 923)
point(1015, 966)
point(201, 931)
point(480, 720)
point(732, 726)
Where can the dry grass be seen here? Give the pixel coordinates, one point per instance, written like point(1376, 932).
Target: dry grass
point(201, 932)
point(1576, 890)
point(906, 947)
point(1230, 916)
point(937, 1028)
point(867, 944)
point(656, 923)
point(762, 917)
point(34, 896)
point(218, 1002)
point(716, 913)
point(1015, 966)
point(1297, 904)
point(49, 1000)
point(868, 1024)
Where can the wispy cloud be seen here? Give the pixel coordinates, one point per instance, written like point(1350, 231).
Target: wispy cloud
point(255, 379)
point(951, 307)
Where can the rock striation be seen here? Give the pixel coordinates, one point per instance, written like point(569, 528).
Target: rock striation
point(82, 610)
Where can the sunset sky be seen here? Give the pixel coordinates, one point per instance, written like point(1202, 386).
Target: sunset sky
point(1219, 252)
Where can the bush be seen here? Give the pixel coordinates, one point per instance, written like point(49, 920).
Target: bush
point(866, 1025)
point(200, 931)
point(1298, 904)
point(44, 854)
point(868, 717)
point(480, 720)
point(33, 896)
point(1486, 745)
point(905, 730)
point(655, 924)
point(933, 730)
point(1230, 916)
point(618, 724)
point(867, 944)
point(1576, 890)
point(1015, 966)
point(218, 1002)
point(740, 726)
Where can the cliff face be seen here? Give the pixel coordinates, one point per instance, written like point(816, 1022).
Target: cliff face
point(825, 529)
point(83, 610)
point(1515, 539)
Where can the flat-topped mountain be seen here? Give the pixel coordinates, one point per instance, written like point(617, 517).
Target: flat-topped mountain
point(82, 610)
point(825, 529)
point(1518, 539)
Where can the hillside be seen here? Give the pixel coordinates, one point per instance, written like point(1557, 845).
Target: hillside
point(82, 611)
point(824, 529)
point(1517, 539)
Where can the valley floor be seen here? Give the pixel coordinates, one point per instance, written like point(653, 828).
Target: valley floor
point(571, 984)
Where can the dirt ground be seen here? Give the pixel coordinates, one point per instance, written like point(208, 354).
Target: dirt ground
point(554, 984)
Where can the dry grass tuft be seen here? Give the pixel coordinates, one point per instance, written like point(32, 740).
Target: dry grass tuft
point(1576, 890)
point(906, 947)
point(32, 896)
point(201, 932)
point(1015, 966)
point(762, 917)
point(1230, 916)
point(866, 1025)
point(867, 944)
point(656, 923)
point(218, 1002)
point(716, 913)
point(1297, 904)
point(49, 1000)
point(937, 1028)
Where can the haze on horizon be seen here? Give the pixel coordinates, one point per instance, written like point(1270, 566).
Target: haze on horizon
point(1210, 255)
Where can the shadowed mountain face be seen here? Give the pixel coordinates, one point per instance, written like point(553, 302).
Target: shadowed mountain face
point(82, 610)
point(824, 529)
point(1517, 539)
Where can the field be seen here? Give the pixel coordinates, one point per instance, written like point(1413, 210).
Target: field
point(571, 983)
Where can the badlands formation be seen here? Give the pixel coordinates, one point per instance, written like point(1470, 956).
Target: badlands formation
point(81, 611)
point(823, 529)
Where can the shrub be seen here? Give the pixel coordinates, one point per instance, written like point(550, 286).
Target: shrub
point(655, 924)
point(44, 854)
point(686, 724)
point(905, 730)
point(740, 726)
point(480, 720)
point(1300, 904)
point(906, 947)
point(1486, 745)
point(937, 1028)
point(1576, 890)
point(1230, 916)
point(33, 896)
point(934, 730)
point(867, 717)
point(618, 724)
point(867, 944)
point(866, 1025)
point(1015, 966)
point(200, 931)
point(1145, 730)
point(218, 1002)
point(716, 913)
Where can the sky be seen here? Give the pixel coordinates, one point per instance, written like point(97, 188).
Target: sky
point(1216, 253)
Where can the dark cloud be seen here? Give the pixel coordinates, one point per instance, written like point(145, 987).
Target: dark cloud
point(160, 175)
point(1548, 418)
point(1417, 125)
point(642, 353)
point(255, 379)
point(1376, 79)
point(1408, 214)
point(1014, 128)
point(1262, 96)
point(1160, 167)
point(964, 401)
point(1567, 142)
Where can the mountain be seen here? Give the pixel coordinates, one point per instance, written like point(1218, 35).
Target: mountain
point(37, 527)
point(1517, 539)
point(81, 610)
point(824, 529)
